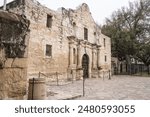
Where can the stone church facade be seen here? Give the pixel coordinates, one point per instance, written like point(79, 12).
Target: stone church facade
point(66, 41)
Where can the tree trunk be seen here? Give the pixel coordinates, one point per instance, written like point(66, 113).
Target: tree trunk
point(128, 60)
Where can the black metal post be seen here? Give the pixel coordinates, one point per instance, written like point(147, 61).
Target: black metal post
point(33, 88)
point(109, 75)
point(39, 74)
point(142, 69)
point(72, 75)
point(83, 87)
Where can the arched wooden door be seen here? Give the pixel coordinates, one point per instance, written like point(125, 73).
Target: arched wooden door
point(85, 66)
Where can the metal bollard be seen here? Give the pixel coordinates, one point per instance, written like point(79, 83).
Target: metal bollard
point(83, 86)
point(103, 75)
point(72, 75)
point(57, 79)
point(109, 75)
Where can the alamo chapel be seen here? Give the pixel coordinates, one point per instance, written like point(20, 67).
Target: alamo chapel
point(66, 41)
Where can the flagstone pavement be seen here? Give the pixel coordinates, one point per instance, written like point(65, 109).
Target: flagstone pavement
point(121, 87)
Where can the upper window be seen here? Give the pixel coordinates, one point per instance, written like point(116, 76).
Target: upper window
point(104, 42)
point(49, 21)
point(48, 50)
point(85, 34)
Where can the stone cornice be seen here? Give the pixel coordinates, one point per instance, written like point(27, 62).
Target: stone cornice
point(74, 40)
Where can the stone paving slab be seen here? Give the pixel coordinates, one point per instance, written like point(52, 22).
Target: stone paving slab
point(60, 95)
point(118, 88)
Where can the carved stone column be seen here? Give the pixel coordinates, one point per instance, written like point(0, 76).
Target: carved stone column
point(95, 61)
point(70, 54)
point(93, 58)
point(98, 56)
point(79, 56)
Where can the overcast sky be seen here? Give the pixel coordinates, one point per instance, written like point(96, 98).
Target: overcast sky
point(100, 9)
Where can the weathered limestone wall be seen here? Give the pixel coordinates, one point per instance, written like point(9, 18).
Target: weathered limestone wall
point(13, 79)
point(66, 23)
point(105, 51)
point(74, 22)
point(40, 35)
point(13, 76)
point(13, 56)
point(16, 6)
point(66, 35)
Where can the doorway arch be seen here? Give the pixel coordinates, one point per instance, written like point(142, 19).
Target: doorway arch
point(85, 66)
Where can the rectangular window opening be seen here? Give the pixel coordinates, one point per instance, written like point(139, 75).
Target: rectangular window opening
point(49, 21)
point(48, 50)
point(104, 42)
point(85, 34)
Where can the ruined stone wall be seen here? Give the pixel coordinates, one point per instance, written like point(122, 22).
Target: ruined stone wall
point(13, 61)
point(65, 23)
point(65, 35)
point(13, 79)
point(74, 22)
point(16, 6)
point(40, 35)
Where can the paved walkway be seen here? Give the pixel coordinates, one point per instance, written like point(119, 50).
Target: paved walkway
point(119, 87)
